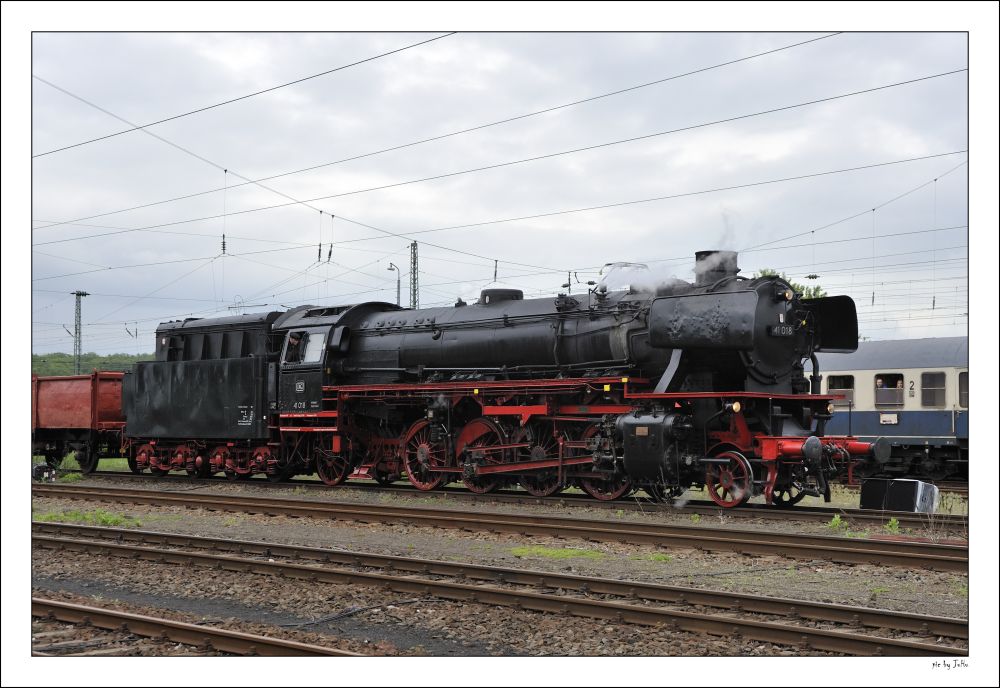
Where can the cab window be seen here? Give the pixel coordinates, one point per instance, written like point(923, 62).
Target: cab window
point(303, 346)
point(841, 384)
point(889, 389)
point(932, 389)
point(313, 348)
point(963, 389)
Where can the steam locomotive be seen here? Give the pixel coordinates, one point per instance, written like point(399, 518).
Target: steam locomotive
point(660, 389)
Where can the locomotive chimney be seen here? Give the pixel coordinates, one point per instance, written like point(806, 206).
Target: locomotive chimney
point(711, 266)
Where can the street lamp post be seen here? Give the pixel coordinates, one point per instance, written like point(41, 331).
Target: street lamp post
point(392, 266)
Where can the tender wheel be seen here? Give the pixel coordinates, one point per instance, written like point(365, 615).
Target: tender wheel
point(184, 456)
point(481, 443)
point(730, 484)
point(144, 456)
point(203, 467)
point(421, 453)
point(216, 461)
point(542, 444)
point(332, 469)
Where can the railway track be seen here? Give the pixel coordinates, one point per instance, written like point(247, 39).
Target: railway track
point(943, 487)
point(845, 550)
point(819, 626)
point(200, 636)
point(55, 638)
point(633, 503)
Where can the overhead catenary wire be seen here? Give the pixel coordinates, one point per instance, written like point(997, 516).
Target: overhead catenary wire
point(551, 155)
point(243, 97)
point(306, 203)
point(227, 171)
point(173, 281)
point(554, 271)
point(384, 255)
point(685, 258)
point(163, 262)
point(409, 234)
point(877, 206)
point(455, 133)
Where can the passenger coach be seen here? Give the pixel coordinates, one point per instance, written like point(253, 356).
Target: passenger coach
point(914, 392)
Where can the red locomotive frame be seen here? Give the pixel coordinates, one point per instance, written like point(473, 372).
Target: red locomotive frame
point(544, 434)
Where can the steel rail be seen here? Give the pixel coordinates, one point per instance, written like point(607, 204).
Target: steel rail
point(847, 550)
point(711, 623)
point(188, 634)
point(652, 592)
point(633, 503)
point(943, 487)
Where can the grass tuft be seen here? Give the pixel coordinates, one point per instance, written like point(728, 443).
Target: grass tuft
point(841, 527)
point(556, 552)
point(655, 556)
point(97, 517)
point(875, 592)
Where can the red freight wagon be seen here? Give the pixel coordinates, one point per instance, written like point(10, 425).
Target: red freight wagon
point(81, 413)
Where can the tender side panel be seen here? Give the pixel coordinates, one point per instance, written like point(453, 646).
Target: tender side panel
point(221, 399)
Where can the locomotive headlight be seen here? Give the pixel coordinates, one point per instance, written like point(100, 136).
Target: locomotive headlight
point(829, 407)
point(780, 294)
point(735, 407)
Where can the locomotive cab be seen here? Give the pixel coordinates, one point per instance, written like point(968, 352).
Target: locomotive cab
point(302, 360)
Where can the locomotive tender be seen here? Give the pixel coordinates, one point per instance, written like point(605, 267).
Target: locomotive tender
point(692, 384)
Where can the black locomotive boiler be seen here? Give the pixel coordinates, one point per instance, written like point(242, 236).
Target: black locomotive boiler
point(678, 386)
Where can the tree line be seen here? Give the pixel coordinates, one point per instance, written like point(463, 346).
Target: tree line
point(64, 364)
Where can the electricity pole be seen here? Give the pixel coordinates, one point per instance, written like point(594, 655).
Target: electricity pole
point(414, 277)
point(78, 332)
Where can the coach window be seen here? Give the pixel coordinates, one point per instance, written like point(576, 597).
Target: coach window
point(932, 389)
point(963, 390)
point(841, 384)
point(889, 389)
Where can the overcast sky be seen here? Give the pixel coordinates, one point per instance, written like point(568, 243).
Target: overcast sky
point(918, 276)
point(464, 81)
